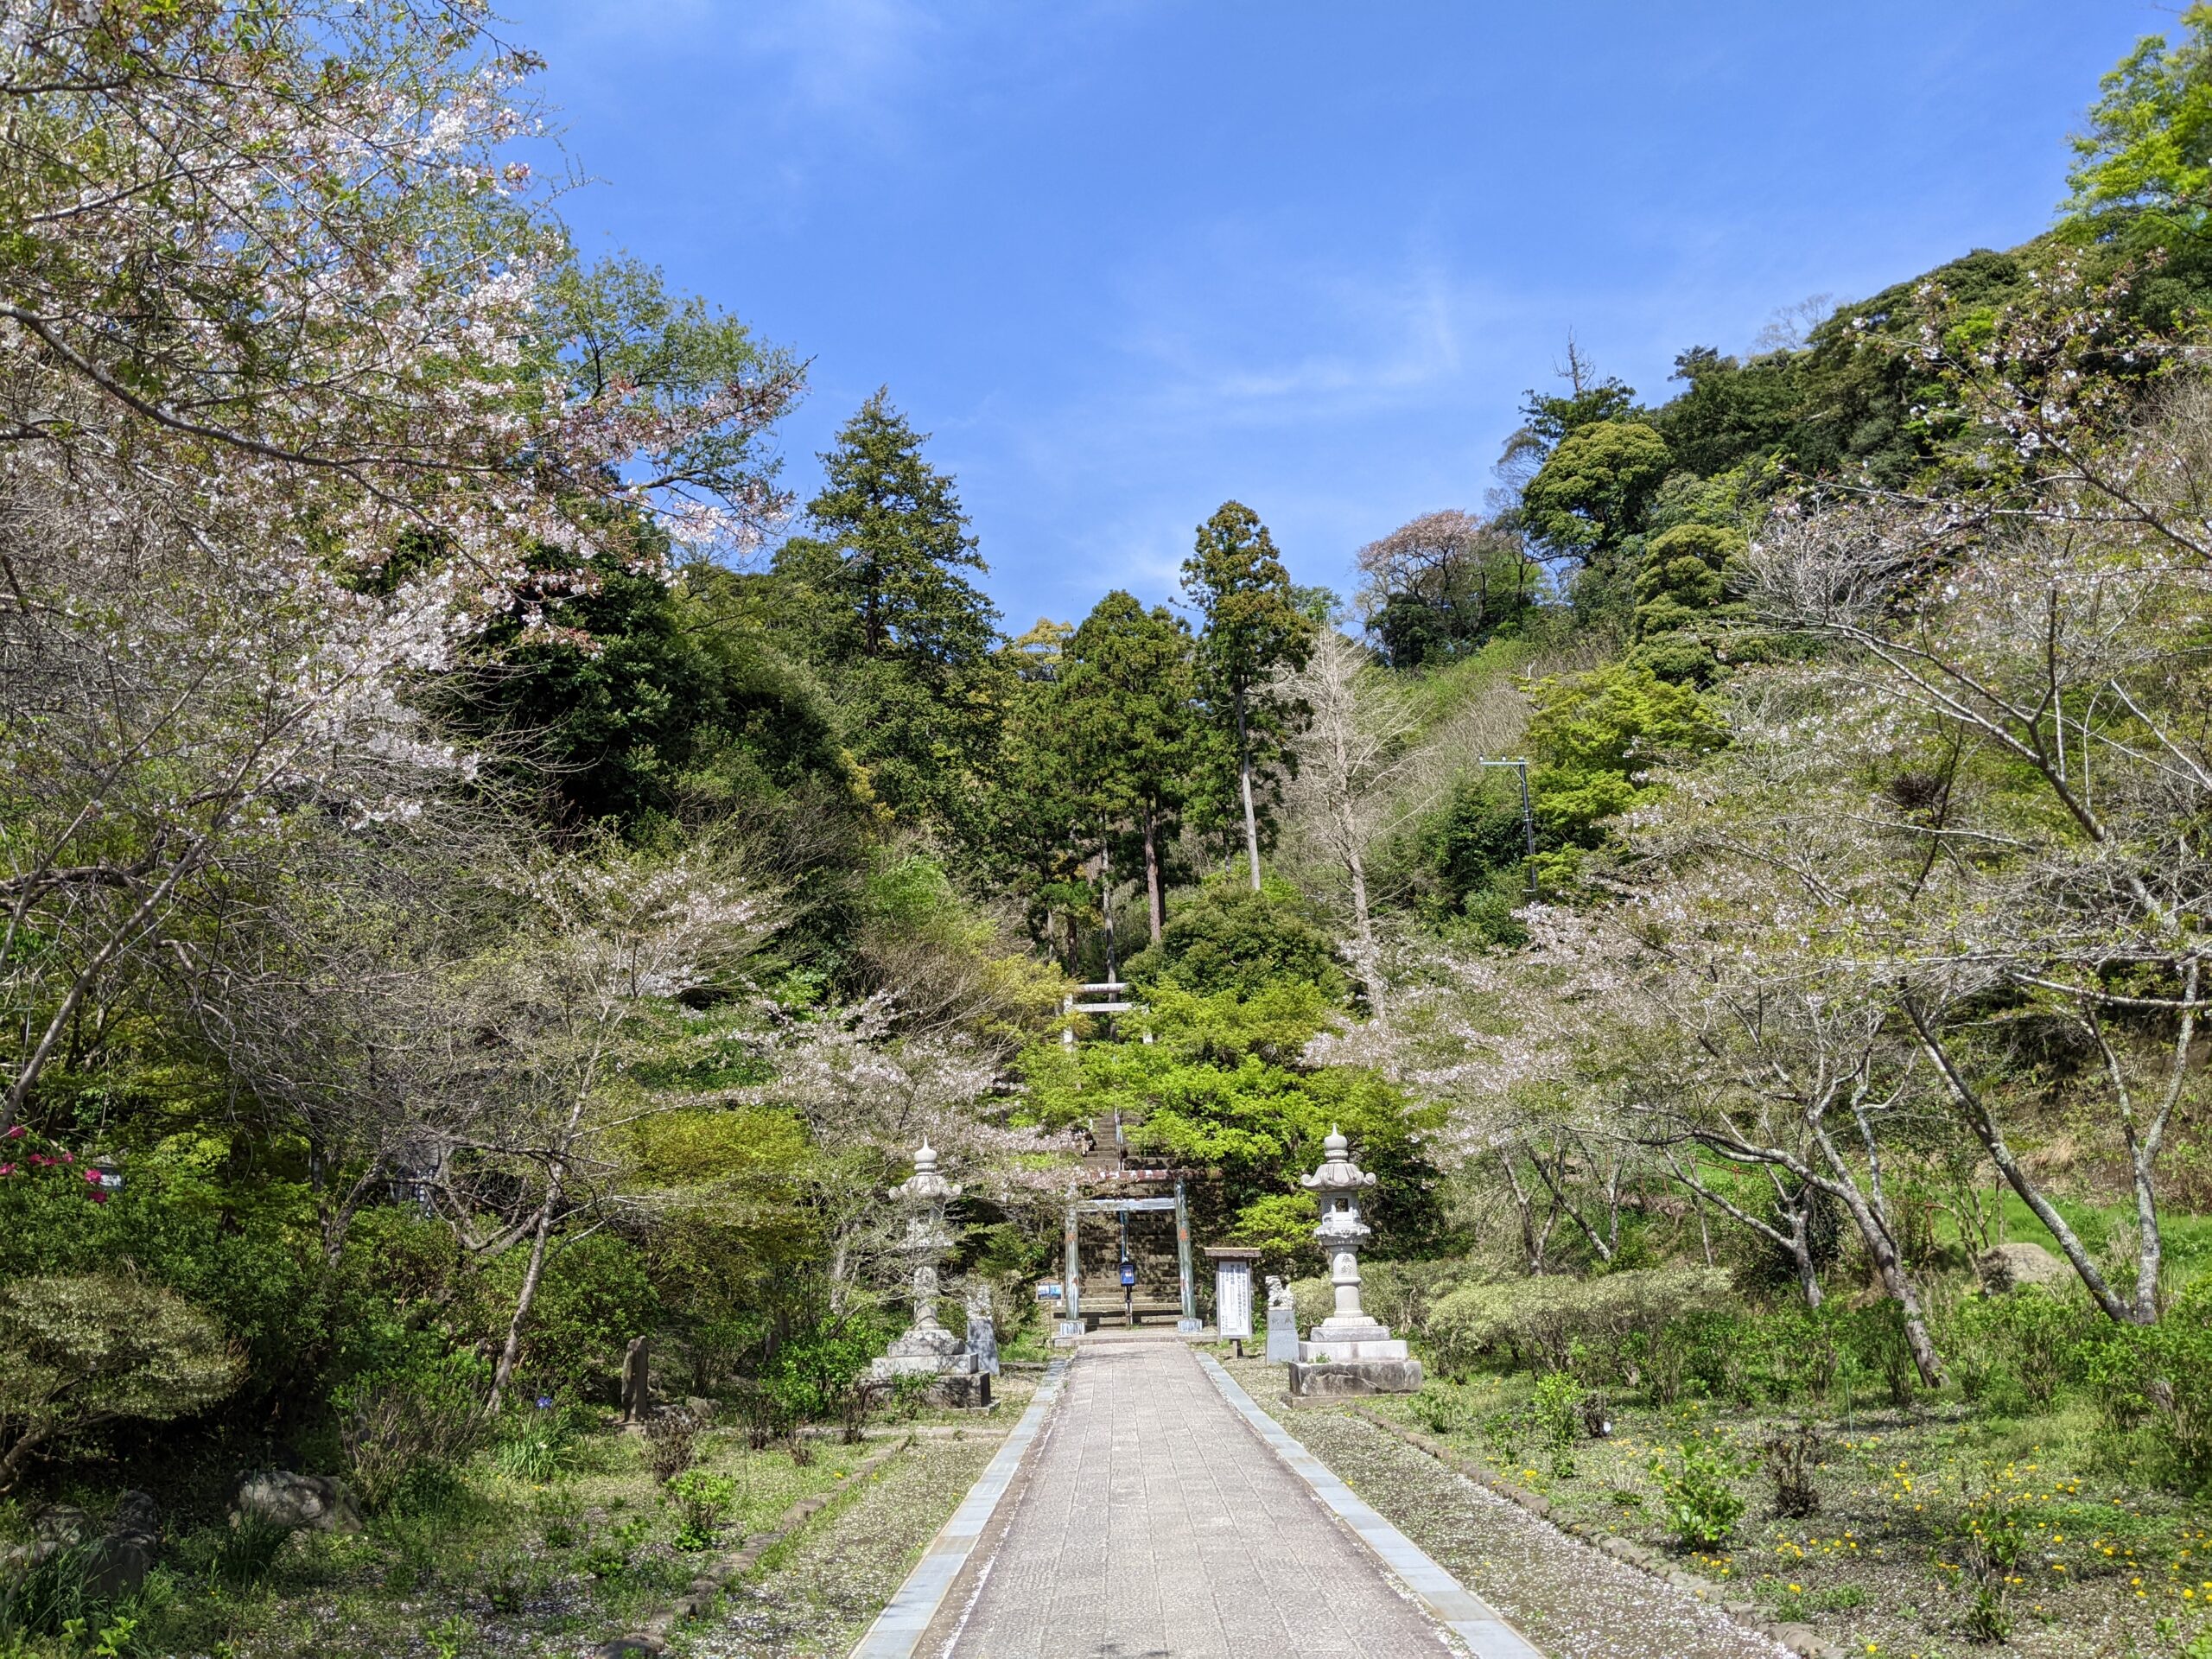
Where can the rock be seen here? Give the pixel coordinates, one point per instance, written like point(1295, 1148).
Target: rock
point(296, 1503)
point(117, 1565)
point(631, 1647)
point(2008, 1267)
point(137, 1514)
point(62, 1523)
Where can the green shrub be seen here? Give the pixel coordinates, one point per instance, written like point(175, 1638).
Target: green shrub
point(596, 1294)
point(410, 1433)
point(1225, 936)
point(2037, 1333)
point(1557, 1407)
point(822, 1374)
point(1701, 1507)
point(1991, 1534)
point(1620, 1327)
point(701, 1501)
point(2154, 1387)
point(79, 1349)
point(1441, 1409)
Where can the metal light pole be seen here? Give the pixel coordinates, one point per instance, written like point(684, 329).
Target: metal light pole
point(1527, 817)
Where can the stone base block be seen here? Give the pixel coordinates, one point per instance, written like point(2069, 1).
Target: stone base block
point(1351, 1353)
point(893, 1365)
point(1339, 1379)
point(1190, 1327)
point(963, 1391)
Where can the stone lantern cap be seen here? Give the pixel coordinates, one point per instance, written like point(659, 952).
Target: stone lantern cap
point(925, 1185)
point(1338, 1173)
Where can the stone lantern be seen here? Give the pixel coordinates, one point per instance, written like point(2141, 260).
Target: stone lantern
point(927, 1349)
point(1348, 1352)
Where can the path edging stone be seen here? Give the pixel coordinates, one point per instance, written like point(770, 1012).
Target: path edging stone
point(1800, 1639)
point(721, 1570)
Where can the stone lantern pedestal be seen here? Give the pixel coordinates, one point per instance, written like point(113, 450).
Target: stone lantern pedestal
point(927, 1349)
point(1349, 1352)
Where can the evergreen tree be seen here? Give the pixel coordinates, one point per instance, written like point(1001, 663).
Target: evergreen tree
point(904, 638)
point(1253, 627)
point(1128, 692)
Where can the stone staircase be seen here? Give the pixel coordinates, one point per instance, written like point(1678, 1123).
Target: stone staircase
point(1108, 1166)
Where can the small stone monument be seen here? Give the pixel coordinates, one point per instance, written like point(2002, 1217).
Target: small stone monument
point(1348, 1352)
point(983, 1331)
point(1282, 1322)
point(637, 1379)
point(927, 1349)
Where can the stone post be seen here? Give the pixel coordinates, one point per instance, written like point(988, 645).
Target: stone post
point(1282, 1323)
point(637, 1379)
point(1348, 1352)
point(983, 1330)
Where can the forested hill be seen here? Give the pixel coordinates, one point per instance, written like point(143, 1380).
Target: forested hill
point(491, 876)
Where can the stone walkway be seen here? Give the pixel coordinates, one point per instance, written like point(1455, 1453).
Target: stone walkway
point(1150, 1523)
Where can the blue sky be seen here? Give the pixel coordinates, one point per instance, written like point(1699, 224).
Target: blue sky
point(1126, 260)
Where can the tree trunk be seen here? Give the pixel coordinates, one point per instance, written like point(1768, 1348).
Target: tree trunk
point(1889, 1267)
point(1984, 1124)
point(1155, 896)
point(1244, 779)
point(1106, 899)
point(1801, 1252)
point(1370, 963)
point(527, 1296)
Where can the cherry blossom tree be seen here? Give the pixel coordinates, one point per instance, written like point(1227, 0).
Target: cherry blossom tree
point(300, 384)
point(2019, 690)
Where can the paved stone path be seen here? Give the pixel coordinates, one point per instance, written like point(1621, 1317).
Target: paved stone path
point(1151, 1523)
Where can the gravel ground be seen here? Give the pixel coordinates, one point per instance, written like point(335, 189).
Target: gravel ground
point(1564, 1597)
point(826, 1587)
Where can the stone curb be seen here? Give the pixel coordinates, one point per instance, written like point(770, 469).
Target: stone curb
point(1800, 1639)
point(651, 1637)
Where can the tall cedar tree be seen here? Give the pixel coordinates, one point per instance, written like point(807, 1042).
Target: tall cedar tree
point(1253, 627)
point(904, 640)
point(1129, 689)
point(1038, 818)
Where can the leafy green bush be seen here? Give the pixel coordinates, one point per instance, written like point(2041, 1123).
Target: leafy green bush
point(1990, 1537)
point(1701, 1507)
point(821, 1374)
point(2038, 1332)
point(79, 1349)
point(596, 1295)
point(701, 1501)
point(2153, 1385)
point(1619, 1327)
point(1441, 1409)
point(1226, 938)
